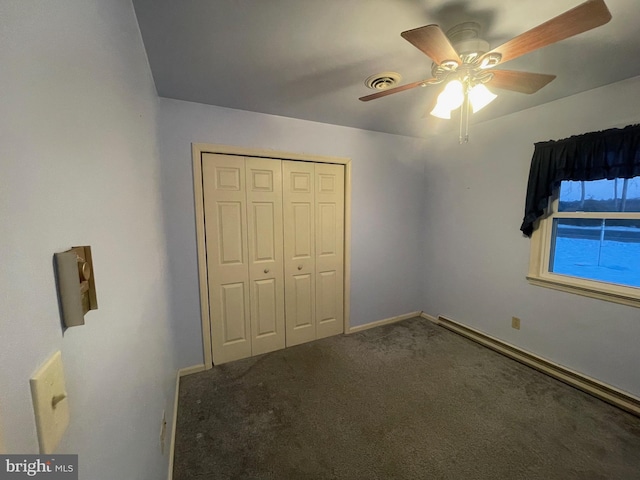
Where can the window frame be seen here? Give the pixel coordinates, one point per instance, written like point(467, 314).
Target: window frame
point(540, 275)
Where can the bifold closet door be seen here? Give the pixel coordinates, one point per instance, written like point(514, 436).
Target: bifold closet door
point(243, 231)
point(274, 240)
point(329, 240)
point(266, 262)
point(313, 196)
point(223, 182)
point(299, 251)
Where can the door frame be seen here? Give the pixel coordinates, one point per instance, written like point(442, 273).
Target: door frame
point(197, 149)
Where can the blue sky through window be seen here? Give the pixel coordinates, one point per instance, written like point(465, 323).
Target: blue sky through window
point(600, 195)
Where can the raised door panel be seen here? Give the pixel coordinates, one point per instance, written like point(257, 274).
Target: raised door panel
point(227, 256)
point(232, 307)
point(326, 308)
point(329, 240)
point(266, 261)
point(230, 233)
point(264, 227)
point(302, 294)
point(328, 234)
point(299, 251)
point(265, 300)
point(302, 230)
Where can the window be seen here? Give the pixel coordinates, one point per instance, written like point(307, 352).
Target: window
point(589, 242)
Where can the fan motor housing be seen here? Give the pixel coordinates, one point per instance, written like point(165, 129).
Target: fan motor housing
point(465, 38)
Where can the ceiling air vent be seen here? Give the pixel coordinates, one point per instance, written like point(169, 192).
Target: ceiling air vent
point(382, 81)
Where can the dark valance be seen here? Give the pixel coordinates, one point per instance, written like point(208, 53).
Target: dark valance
point(609, 154)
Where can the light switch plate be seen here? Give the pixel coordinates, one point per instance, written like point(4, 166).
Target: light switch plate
point(50, 403)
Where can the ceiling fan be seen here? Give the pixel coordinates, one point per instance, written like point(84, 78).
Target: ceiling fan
point(465, 63)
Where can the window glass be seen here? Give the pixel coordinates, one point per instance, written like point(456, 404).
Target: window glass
point(620, 195)
point(606, 250)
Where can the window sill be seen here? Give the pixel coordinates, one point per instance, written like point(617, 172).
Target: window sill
point(609, 293)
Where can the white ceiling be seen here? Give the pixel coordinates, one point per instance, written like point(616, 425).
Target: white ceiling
point(308, 59)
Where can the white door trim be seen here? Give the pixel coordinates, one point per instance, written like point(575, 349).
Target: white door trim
point(197, 150)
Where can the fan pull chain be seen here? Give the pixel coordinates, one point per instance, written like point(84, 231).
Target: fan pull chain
point(464, 117)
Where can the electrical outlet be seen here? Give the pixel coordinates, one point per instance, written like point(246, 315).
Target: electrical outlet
point(515, 323)
point(163, 432)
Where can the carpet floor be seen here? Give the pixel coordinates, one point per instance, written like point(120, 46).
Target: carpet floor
point(404, 401)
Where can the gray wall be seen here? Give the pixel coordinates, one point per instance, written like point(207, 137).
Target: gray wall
point(79, 165)
point(477, 259)
point(387, 204)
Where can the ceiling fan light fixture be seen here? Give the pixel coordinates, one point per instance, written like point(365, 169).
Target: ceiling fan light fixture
point(449, 99)
point(441, 111)
point(462, 58)
point(480, 96)
point(449, 65)
point(490, 60)
point(452, 96)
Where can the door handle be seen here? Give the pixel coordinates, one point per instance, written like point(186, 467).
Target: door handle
point(299, 267)
point(266, 270)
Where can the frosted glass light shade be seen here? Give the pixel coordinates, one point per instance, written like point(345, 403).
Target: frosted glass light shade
point(453, 95)
point(441, 111)
point(480, 96)
point(451, 98)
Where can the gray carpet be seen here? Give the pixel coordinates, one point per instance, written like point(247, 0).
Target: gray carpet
point(404, 401)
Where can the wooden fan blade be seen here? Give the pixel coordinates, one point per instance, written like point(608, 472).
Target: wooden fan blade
point(523, 82)
point(432, 41)
point(401, 88)
point(584, 17)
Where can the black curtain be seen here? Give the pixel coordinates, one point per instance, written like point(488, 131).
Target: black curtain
point(609, 154)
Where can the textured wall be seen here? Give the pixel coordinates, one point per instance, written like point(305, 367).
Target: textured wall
point(79, 165)
point(387, 206)
point(477, 259)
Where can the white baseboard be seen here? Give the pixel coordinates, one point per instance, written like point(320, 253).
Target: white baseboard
point(598, 389)
point(181, 373)
point(431, 318)
point(385, 321)
point(173, 427)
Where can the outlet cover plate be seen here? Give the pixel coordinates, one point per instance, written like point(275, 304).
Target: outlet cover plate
point(52, 416)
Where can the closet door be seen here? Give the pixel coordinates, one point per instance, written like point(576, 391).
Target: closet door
point(299, 251)
point(329, 240)
point(227, 256)
point(266, 263)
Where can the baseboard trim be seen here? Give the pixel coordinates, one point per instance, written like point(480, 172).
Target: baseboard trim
point(183, 372)
point(598, 389)
point(384, 321)
point(172, 446)
point(431, 318)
